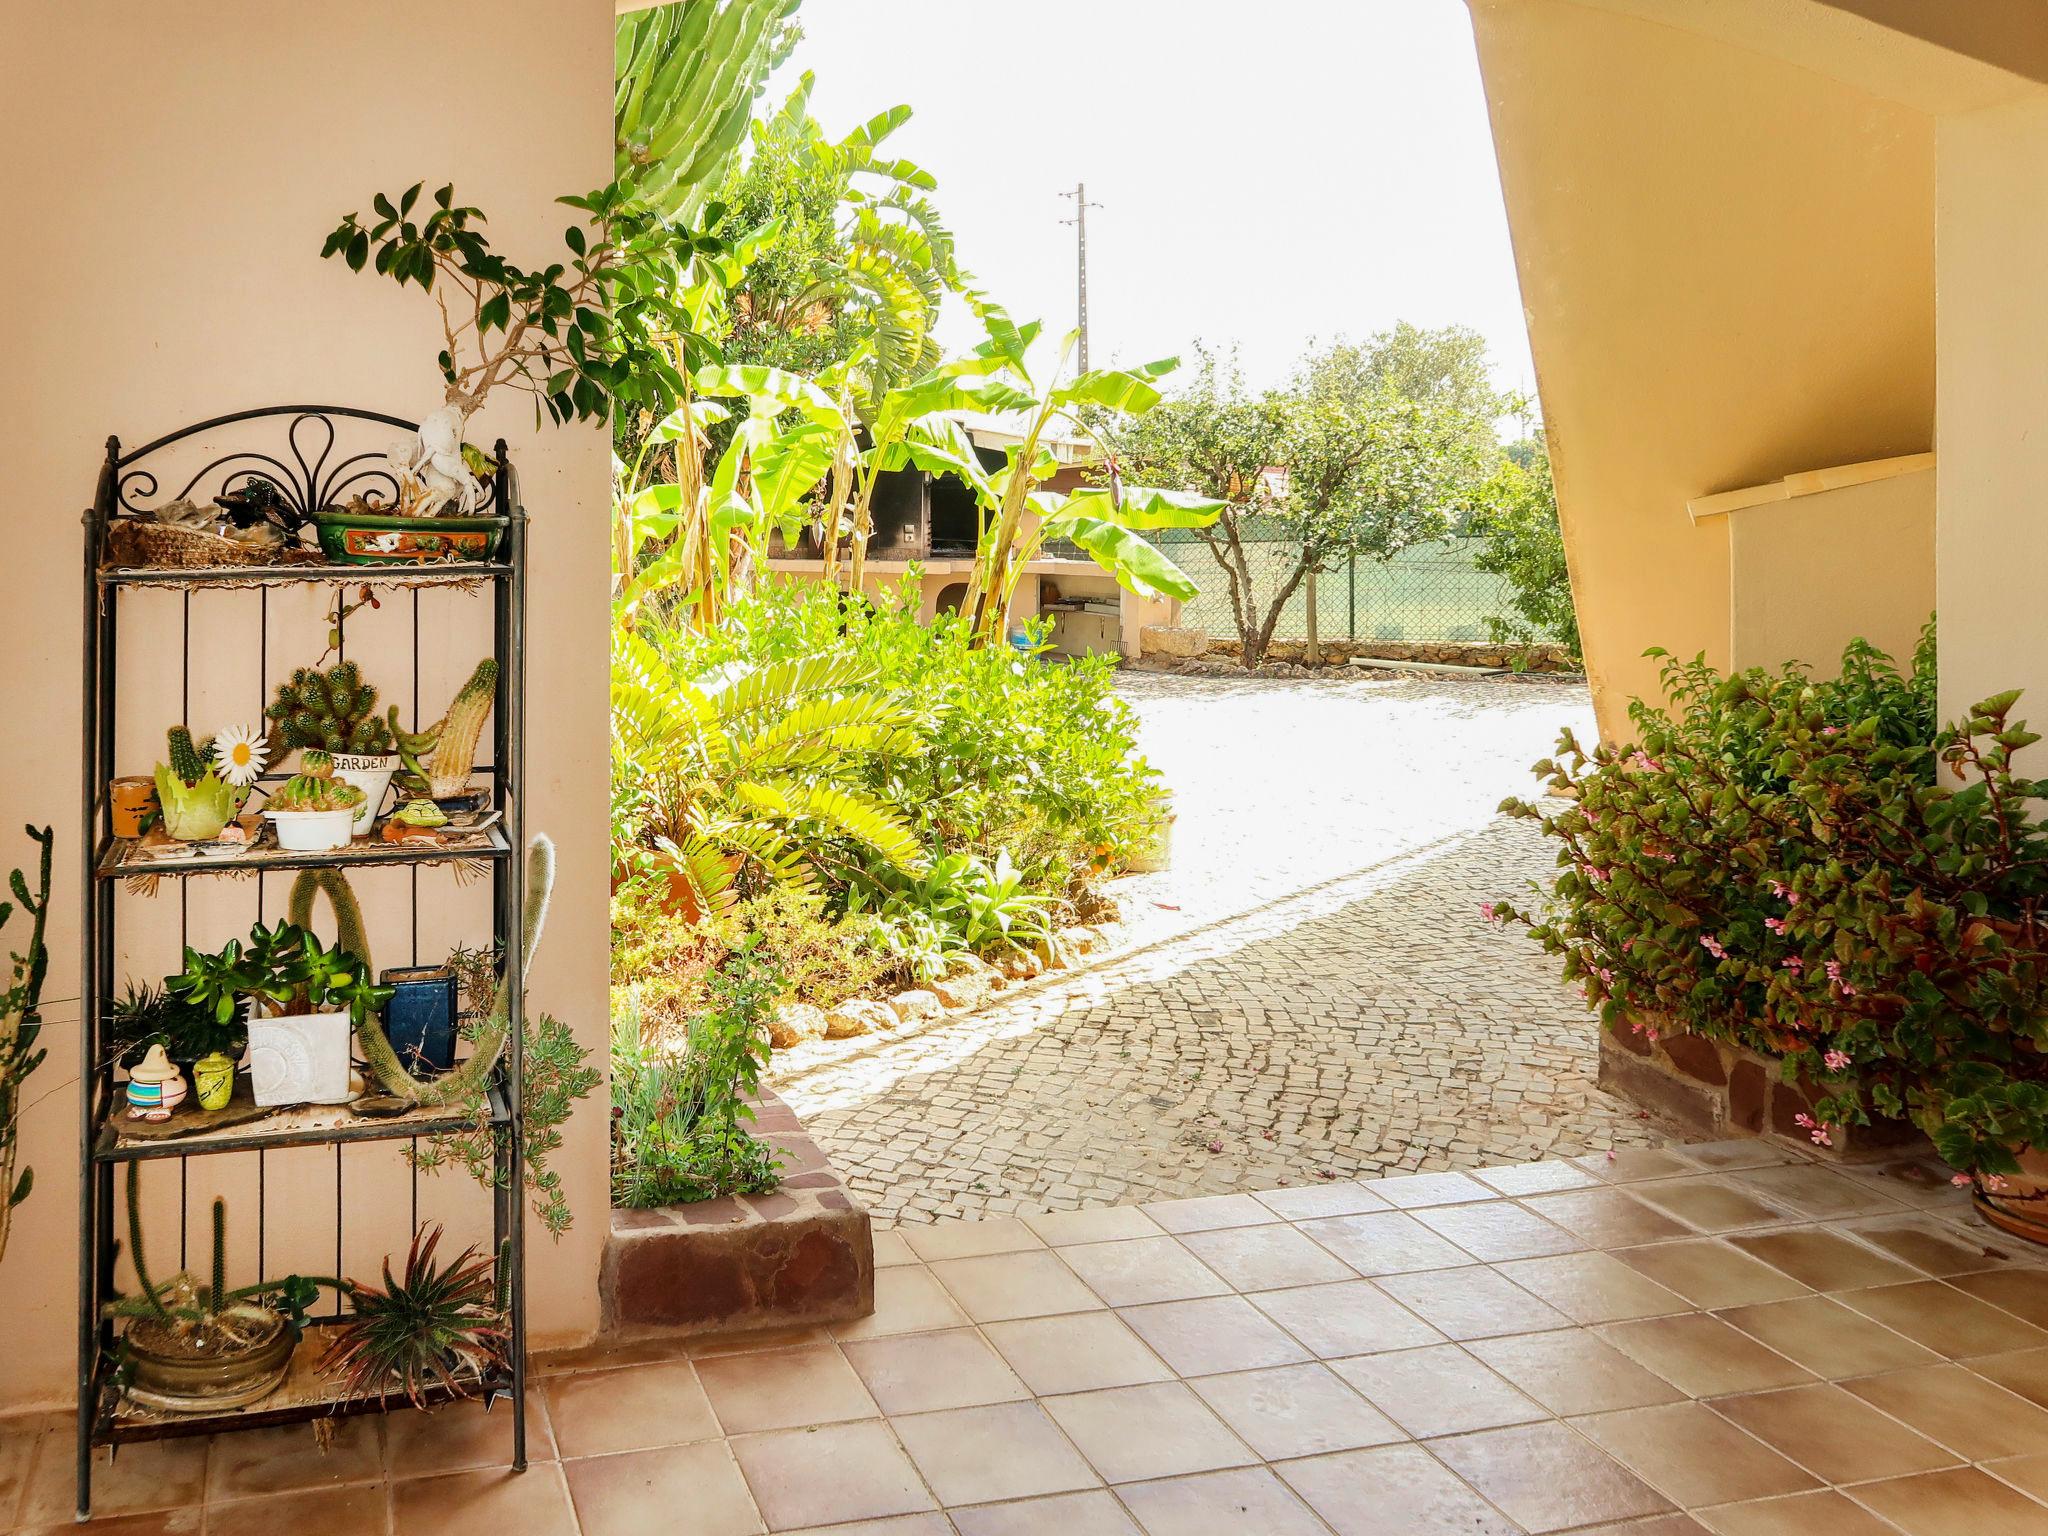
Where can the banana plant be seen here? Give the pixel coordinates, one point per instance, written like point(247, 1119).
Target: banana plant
point(687, 77)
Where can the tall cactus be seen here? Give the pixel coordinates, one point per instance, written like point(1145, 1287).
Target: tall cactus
point(688, 74)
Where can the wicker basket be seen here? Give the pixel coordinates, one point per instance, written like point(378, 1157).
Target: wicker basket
point(141, 542)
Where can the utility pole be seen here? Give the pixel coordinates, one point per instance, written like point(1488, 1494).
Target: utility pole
point(1080, 223)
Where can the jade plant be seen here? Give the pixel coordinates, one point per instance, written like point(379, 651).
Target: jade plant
point(286, 969)
point(333, 711)
point(197, 802)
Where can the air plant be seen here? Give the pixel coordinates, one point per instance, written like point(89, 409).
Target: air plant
point(443, 1326)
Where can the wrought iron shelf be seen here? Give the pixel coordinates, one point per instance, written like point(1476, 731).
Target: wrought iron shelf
point(307, 1392)
point(306, 1125)
point(117, 859)
point(451, 574)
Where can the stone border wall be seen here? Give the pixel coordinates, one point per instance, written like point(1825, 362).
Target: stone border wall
point(1161, 643)
point(802, 1255)
point(1724, 1090)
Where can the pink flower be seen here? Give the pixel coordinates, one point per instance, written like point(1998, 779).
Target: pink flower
point(1784, 893)
point(1994, 1183)
point(1831, 730)
point(1961, 1180)
point(1712, 946)
point(1643, 763)
point(1814, 1130)
point(1838, 1061)
point(1487, 911)
point(1793, 964)
point(1775, 924)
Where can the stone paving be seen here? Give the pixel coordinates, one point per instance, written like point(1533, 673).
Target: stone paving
point(1359, 1019)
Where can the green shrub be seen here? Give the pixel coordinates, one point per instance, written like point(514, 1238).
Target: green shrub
point(1776, 864)
point(679, 1104)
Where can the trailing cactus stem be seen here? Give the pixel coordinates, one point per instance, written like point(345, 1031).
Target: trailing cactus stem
point(219, 1288)
point(150, 1293)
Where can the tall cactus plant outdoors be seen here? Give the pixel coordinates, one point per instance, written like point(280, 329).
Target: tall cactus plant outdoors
point(687, 76)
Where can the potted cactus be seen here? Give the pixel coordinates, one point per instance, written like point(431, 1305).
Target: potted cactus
point(315, 810)
point(439, 758)
point(335, 712)
point(197, 803)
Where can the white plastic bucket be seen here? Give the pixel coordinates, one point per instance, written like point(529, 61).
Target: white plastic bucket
point(313, 831)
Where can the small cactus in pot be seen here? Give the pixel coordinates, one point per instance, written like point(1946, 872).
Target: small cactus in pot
point(440, 756)
point(331, 711)
point(197, 803)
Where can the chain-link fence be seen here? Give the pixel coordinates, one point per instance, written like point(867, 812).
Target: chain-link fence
point(1430, 593)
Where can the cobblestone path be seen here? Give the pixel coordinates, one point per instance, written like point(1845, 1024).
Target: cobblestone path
point(1363, 1023)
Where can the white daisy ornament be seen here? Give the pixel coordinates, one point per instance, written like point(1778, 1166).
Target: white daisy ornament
point(239, 753)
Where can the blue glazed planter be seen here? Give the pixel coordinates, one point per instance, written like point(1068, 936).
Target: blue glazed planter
point(419, 1020)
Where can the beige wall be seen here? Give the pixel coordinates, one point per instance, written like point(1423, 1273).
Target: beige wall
point(1811, 573)
point(1991, 227)
point(170, 169)
point(1727, 267)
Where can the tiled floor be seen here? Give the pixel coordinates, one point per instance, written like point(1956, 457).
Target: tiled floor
point(1659, 1343)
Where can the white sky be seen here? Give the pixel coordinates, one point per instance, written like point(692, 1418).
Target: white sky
point(1270, 173)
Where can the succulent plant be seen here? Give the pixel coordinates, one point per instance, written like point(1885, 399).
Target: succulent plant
point(332, 711)
point(311, 792)
point(188, 762)
point(440, 756)
point(316, 763)
point(441, 1325)
point(197, 802)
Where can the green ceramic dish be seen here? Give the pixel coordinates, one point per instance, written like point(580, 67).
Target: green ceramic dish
point(352, 539)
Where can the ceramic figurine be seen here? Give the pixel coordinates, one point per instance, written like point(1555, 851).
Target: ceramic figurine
point(213, 1075)
point(155, 1086)
point(429, 471)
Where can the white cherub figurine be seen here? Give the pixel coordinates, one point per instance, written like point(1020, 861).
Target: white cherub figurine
point(429, 468)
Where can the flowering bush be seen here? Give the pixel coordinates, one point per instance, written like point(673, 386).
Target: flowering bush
point(1775, 864)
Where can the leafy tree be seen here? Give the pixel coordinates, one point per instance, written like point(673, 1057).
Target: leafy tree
point(1523, 542)
point(1370, 449)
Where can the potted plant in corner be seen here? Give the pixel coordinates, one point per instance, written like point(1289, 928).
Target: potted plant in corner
point(335, 712)
point(314, 811)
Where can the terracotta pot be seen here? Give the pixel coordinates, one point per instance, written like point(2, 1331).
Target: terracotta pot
point(134, 803)
point(174, 1381)
point(2020, 1203)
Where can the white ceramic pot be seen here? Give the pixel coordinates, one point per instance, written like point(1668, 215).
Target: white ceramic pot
point(301, 1059)
point(371, 773)
point(313, 831)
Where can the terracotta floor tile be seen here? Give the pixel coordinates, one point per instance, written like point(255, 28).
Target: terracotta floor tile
point(1438, 1391)
point(1384, 1243)
point(1472, 1303)
point(356, 1511)
point(1247, 1499)
point(1954, 1407)
point(490, 1502)
point(1627, 1165)
point(1295, 1410)
point(170, 1522)
point(1091, 1224)
point(607, 1355)
point(964, 1239)
point(1838, 1438)
point(892, 1248)
point(1935, 1247)
point(1499, 1230)
point(1656, 1525)
point(1079, 1353)
point(1796, 1514)
point(1136, 1434)
point(999, 1451)
point(1702, 1356)
point(18, 1446)
point(888, 1525)
point(784, 1388)
point(289, 1458)
point(1824, 1260)
point(908, 1299)
point(1208, 1211)
point(1392, 1490)
point(1962, 1502)
point(925, 1372)
point(1829, 1339)
point(2029, 1474)
point(1536, 1178)
point(1740, 1152)
point(2025, 1373)
point(169, 1474)
point(632, 1410)
point(1547, 1477)
point(1818, 1193)
point(1925, 1183)
point(1068, 1514)
point(1693, 1457)
point(641, 1491)
point(1593, 1287)
point(1711, 1274)
point(1572, 1371)
point(758, 1341)
point(1129, 1274)
point(1217, 1333)
point(1011, 1285)
point(1610, 1218)
point(1353, 1317)
point(1339, 1197)
point(1412, 1190)
point(2022, 1292)
point(828, 1476)
point(1945, 1319)
point(1708, 1203)
point(1265, 1258)
point(458, 1436)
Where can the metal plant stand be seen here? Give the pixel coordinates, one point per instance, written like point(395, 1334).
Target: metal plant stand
point(299, 450)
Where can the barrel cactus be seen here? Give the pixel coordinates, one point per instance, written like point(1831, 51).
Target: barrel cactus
point(331, 711)
point(309, 792)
